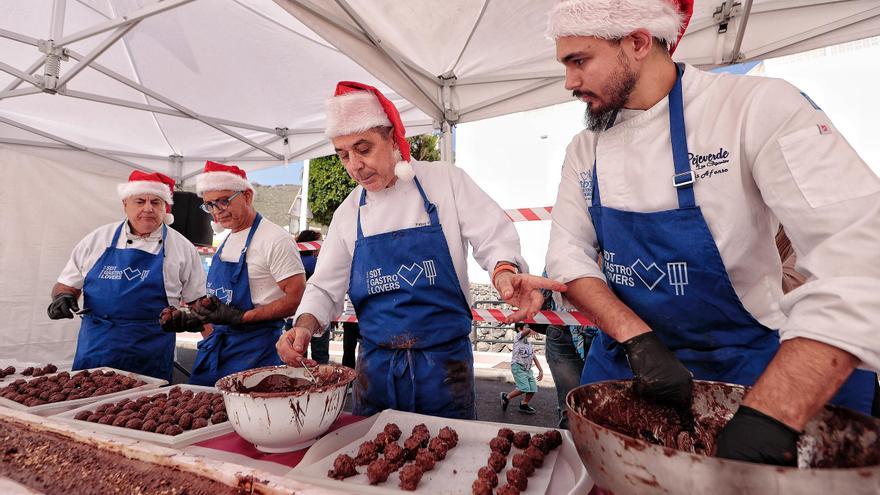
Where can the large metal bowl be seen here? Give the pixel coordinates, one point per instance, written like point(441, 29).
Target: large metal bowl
point(623, 464)
point(284, 421)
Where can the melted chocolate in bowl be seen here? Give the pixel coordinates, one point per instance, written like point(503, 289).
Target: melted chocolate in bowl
point(836, 438)
point(276, 383)
point(328, 377)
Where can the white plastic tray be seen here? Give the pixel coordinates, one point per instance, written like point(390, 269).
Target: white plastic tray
point(176, 441)
point(562, 472)
point(59, 407)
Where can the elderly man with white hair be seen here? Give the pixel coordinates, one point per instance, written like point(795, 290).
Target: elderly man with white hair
point(398, 245)
point(127, 273)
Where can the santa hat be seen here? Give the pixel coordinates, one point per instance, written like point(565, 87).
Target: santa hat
point(357, 107)
point(615, 19)
point(220, 177)
point(155, 183)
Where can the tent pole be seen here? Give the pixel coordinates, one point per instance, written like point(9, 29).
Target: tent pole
point(735, 54)
point(57, 28)
point(133, 17)
point(304, 198)
point(446, 143)
point(96, 52)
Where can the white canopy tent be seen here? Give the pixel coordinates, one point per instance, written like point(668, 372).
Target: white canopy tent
point(92, 88)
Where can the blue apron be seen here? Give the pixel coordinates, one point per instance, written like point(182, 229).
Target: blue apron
point(230, 349)
point(415, 352)
point(125, 292)
point(666, 267)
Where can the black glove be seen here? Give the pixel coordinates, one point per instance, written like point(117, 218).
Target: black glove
point(63, 306)
point(213, 311)
point(658, 375)
point(752, 436)
point(175, 319)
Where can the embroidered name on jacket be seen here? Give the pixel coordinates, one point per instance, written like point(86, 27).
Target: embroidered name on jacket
point(586, 182)
point(709, 165)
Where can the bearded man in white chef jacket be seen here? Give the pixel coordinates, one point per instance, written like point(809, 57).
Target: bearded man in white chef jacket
point(398, 246)
point(680, 182)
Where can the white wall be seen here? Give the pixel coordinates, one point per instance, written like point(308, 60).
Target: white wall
point(52, 200)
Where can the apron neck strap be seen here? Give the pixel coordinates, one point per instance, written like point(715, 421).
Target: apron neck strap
point(683, 179)
point(430, 208)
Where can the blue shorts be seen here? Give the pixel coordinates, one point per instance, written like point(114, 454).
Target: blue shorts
point(523, 378)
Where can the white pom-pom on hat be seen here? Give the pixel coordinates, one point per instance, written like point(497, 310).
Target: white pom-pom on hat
point(404, 170)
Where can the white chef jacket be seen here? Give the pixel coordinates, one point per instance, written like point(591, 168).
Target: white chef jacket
point(468, 216)
point(762, 153)
point(271, 257)
point(182, 270)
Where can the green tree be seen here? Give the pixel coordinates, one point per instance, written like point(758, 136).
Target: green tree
point(329, 183)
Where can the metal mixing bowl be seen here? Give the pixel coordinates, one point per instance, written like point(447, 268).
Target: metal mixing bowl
point(622, 464)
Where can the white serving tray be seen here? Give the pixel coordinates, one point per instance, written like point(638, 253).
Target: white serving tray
point(177, 441)
point(561, 473)
point(60, 407)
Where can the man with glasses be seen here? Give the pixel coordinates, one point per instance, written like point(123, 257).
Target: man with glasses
point(127, 272)
point(256, 279)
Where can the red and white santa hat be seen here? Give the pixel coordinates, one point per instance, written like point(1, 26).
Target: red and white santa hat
point(357, 107)
point(220, 177)
point(154, 183)
point(615, 19)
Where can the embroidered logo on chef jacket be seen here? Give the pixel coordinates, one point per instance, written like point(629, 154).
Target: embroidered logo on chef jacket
point(708, 165)
point(586, 182)
point(648, 274)
point(223, 294)
point(112, 272)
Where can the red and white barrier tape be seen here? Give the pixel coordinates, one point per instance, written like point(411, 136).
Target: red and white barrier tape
point(500, 315)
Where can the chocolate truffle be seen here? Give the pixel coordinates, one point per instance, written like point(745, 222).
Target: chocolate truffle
point(134, 424)
point(497, 461)
point(381, 440)
point(506, 433)
point(481, 487)
point(488, 475)
point(410, 476)
point(392, 431)
point(501, 445)
point(378, 471)
point(517, 478)
point(540, 442)
point(554, 438)
point(425, 460)
point(524, 463)
point(449, 436)
point(219, 417)
point(343, 467)
point(367, 453)
point(521, 439)
point(411, 446)
point(507, 489)
point(536, 455)
point(173, 430)
point(394, 454)
point(421, 428)
point(199, 423)
point(83, 415)
point(438, 448)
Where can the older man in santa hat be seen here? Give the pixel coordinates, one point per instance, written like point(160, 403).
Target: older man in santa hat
point(398, 245)
point(679, 182)
point(127, 273)
point(256, 279)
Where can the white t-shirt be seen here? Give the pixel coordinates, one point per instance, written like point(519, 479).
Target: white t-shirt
point(271, 258)
point(182, 269)
point(763, 153)
point(470, 218)
point(523, 352)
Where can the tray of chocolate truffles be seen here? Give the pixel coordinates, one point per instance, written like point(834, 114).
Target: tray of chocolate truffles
point(396, 452)
point(13, 370)
point(174, 416)
point(51, 392)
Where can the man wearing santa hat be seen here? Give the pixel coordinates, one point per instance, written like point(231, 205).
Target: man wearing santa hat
point(679, 183)
point(128, 272)
point(398, 245)
point(256, 279)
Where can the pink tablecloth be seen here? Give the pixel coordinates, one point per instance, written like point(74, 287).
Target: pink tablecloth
point(234, 444)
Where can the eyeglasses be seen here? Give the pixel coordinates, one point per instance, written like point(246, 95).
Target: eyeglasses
point(220, 204)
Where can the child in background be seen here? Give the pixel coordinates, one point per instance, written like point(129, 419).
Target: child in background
point(521, 366)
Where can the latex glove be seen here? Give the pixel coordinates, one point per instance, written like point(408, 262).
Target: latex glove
point(524, 291)
point(63, 306)
point(752, 436)
point(658, 375)
point(175, 319)
point(292, 345)
point(213, 311)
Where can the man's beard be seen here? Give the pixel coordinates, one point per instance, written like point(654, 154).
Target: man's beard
point(619, 90)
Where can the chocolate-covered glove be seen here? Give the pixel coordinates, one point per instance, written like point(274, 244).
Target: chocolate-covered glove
point(213, 311)
point(752, 436)
point(175, 319)
point(657, 374)
point(63, 306)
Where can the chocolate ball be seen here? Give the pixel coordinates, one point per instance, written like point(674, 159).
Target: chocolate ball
point(425, 459)
point(488, 475)
point(162, 427)
point(500, 445)
point(120, 420)
point(497, 461)
point(421, 429)
point(367, 453)
point(185, 421)
point(394, 454)
point(521, 439)
point(439, 448)
point(539, 442)
point(524, 463)
point(83, 415)
point(536, 455)
point(149, 425)
point(517, 478)
point(505, 433)
point(410, 476)
point(93, 418)
point(554, 438)
point(220, 417)
point(199, 423)
point(173, 430)
point(449, 436)
point(507, 489)
point(343, 467)
point(134, 424)
point(481, 487)
point(378, 471)
point(392, 431)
